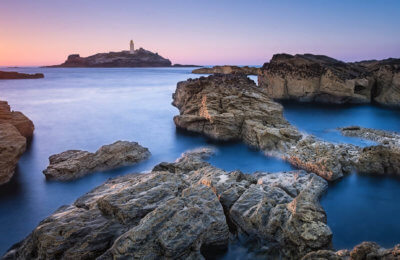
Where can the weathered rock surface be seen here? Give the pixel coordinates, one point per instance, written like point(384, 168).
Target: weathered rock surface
point(12, 146)
point(15, 129)
point(365, 250)
point(228, 107)
point(318, 78)
point(73, 164)
point(227, 69)
point(17, 75)
point(140, 58)
point(328, 160)
point(17, 119)
point(181, 209)
point(379, 159)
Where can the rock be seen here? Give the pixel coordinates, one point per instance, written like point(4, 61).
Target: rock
point(283, 208)
point(386, 73)
point(318, 78)
point(330, 161)
point(229, 107)
point(140, 58)
point(378, 159)
point(17, 75)
point(180, 210)
point(315, 78)
point(365, 250)
point(17, 119)
point(15, 129)
point(227, 69)
point(73, 164)
point(12, 146)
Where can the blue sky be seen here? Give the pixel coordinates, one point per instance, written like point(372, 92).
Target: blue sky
point(43, 32)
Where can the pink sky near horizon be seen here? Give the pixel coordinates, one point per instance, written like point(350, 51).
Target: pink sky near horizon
point(44, 32)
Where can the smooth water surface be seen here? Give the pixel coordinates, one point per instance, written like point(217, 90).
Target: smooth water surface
point(74, 108)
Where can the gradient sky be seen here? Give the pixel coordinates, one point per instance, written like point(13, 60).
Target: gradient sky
point(44, 32)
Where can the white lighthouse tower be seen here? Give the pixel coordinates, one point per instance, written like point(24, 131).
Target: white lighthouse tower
point(131, 47)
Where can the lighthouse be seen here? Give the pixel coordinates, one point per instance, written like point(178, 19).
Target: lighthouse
point(131, 47)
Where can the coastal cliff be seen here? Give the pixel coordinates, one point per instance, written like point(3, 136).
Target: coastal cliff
point(15, 129)
point(318, 78)
point(140, 58)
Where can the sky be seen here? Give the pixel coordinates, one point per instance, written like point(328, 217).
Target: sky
point(212, 32)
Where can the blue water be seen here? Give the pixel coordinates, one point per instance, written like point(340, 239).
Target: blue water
point(87, 108)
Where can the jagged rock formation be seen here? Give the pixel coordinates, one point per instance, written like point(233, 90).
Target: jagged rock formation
point(227, 107)
point(227, 69)
point(365, 250)
point(318, 78)
point(17, 75)
point(73, 164)
point(180, 210)
point(140, 58)
point(15, 129)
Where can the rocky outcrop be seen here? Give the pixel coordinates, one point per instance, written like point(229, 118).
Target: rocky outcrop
point(15, 130)
point(183, 210)
point(328, 160)
point(378, 159)
point(227, 69)
point(386, 74)
point(318, 78)
point(365, 250)
point(12, 146)
point(140, 58)
point(17, 75)
point(73, 164)
point(227, 107)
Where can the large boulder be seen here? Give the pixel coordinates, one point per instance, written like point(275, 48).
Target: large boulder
point(229, 107)
point(15, 130)
point(12, 146)
point(184, 210)
point(73, 164)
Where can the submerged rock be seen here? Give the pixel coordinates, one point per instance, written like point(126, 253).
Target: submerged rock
point(180, 210)
point(73, 164)
point(15, 129)
point(227, 69)
point(17, 75)
point(318, 78)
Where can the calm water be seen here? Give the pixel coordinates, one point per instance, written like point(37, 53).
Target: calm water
point(87, 108)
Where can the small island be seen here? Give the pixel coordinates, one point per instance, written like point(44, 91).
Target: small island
point(131, 58)
point(17, 75)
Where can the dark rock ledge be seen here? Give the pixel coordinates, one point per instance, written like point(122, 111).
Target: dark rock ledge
point(73, 164)
point(17, 75)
